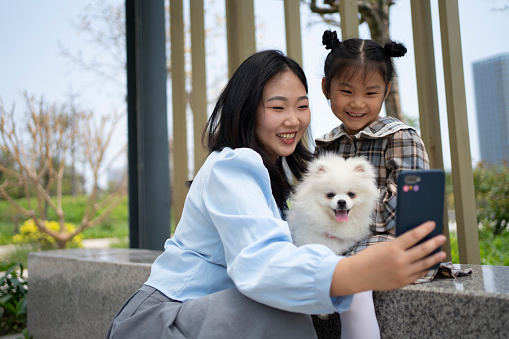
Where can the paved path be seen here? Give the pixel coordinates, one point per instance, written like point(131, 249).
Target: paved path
point(12, 336)
point(87, 243)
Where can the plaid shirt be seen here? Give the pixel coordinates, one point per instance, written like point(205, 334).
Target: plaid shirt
point(391, 147)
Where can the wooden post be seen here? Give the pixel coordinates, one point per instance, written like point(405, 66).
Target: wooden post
point(292, 29)
point(199, 80)
point(240, 32)
point(429, 117)
point(349, 16)
point(179, 103)
point(462, 175)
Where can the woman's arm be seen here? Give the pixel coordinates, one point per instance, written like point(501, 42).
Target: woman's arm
point(388, 265)
point(256, 243)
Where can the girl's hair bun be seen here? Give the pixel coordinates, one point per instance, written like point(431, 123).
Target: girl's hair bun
point(395, 49)
point(330, 39)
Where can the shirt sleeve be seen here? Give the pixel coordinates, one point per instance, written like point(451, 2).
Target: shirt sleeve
point(260, 256)
point(405, 151)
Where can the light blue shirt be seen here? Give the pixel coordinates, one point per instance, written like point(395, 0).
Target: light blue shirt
point(231, 235)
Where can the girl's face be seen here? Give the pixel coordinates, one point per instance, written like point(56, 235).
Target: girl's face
point(283, 115)
point(357, 101)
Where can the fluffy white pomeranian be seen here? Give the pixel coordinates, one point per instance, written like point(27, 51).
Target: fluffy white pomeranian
point(333, 204)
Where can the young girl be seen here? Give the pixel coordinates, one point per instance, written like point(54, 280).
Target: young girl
point(357, 79)
point(231, 269)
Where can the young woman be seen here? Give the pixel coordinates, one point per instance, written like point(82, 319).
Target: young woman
point(231, 269)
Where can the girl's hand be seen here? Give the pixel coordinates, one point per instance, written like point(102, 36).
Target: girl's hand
point(388, 265)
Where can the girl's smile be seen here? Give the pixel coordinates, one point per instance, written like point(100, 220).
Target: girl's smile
point(356, 101)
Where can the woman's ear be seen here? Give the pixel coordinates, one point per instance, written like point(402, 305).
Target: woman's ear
point(387, 90)
point(324, 88)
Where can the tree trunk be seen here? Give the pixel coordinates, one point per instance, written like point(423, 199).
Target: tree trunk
point(377, 18)
point(392, 103)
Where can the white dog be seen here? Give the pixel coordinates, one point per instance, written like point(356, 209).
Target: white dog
point(334, 203)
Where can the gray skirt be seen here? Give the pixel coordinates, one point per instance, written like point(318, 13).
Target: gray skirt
point(226, 314)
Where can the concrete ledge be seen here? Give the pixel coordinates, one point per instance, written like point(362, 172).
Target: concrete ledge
point(76, 293)
point(473, 306)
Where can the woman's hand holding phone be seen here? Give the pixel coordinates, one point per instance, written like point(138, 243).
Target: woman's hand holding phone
point(389, 265)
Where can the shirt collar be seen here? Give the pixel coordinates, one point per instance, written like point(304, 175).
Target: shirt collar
point(379, 128)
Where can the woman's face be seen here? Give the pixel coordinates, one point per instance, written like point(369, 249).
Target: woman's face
point(283, 115)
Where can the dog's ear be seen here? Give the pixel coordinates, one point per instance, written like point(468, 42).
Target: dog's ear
point(318, 167)
point(363, 167)
point(321, 168)
point(359, 168)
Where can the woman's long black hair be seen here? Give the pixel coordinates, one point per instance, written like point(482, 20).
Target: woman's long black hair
point(233, 120)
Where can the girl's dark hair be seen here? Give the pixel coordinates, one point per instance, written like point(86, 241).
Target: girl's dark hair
point(352, 56)
point(233, 120)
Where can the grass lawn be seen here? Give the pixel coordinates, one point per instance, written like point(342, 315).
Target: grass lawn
point(115, 225)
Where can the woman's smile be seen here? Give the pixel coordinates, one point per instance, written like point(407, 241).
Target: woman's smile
point(287, 137)
point(283, 115)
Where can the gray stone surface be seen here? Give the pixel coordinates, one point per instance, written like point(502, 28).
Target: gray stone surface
point(75, 293)
point(473, 306)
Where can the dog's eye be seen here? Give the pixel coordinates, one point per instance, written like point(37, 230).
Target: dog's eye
point(351, 194)
point(330, 195)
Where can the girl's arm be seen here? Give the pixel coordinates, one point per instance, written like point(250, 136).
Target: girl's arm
point(388, 265)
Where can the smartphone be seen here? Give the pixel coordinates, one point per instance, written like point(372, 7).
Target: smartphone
point(420, 198)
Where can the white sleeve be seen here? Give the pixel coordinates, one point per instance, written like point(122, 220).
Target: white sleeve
point(260, 256)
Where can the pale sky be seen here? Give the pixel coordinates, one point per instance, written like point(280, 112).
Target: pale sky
point(31, 60)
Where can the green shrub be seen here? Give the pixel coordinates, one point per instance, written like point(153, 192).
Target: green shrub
point(494, 248)
point(30, 234)
point(492, 196)
point(13, 299)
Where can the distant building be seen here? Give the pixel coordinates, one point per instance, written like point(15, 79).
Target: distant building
point(491, 81)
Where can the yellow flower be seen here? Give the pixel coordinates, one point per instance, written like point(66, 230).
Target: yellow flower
point(30, 233)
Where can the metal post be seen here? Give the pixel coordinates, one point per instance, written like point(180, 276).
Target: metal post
point(149, 187)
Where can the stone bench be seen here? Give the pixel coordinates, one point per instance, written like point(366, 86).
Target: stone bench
point(75, 293)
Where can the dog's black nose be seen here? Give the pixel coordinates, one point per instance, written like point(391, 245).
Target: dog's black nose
point(341, 204)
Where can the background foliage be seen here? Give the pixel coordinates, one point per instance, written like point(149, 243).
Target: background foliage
point(13, 299)
point(492, 196)
point(29, 233)
point(491, 186)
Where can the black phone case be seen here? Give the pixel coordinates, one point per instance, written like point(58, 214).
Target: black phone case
point(420, 198)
